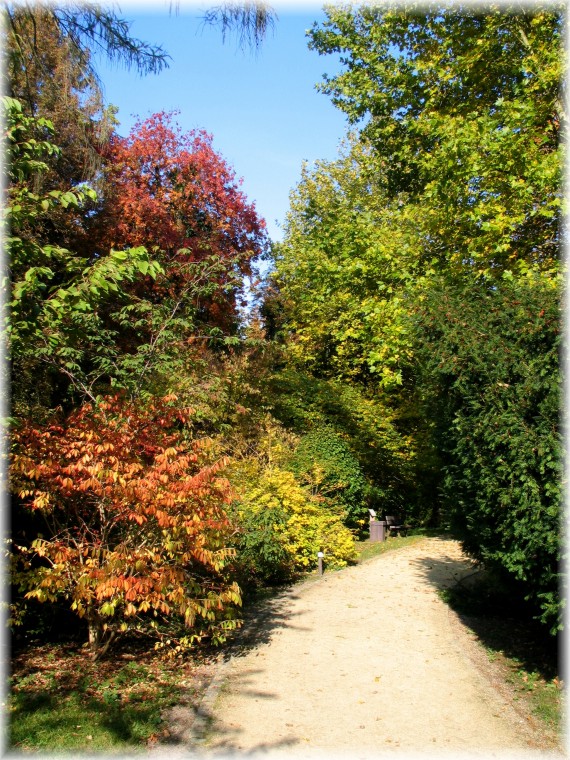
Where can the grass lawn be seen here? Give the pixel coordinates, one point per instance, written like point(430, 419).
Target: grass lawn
point(62, 701)
point(367, 550)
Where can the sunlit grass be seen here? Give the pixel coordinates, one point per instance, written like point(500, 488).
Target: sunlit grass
point(61, 701)
point(366, 550)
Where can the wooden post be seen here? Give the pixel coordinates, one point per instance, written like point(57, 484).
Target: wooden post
point(320, 555)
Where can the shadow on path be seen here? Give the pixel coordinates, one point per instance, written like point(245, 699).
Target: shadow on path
point(260, 622)
point(444, 572)
point(501, 621)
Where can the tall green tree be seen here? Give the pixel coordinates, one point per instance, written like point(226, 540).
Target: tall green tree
point(347, 276)
point(349, 256)
point(458, 171)
point(490, 380)
point(464, 108)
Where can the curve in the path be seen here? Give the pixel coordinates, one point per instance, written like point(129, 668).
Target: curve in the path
point(365, 662)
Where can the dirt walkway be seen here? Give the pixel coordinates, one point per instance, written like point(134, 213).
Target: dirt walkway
point(366, 662)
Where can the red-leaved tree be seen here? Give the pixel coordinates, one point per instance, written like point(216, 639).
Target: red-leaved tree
point(174, 194)
point(137, 533)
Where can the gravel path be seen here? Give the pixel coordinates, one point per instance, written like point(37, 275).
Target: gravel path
point(364, 663)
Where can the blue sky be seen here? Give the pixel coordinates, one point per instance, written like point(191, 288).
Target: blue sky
point(262, 107)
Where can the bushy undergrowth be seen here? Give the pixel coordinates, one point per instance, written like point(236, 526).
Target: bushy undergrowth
point(357, 433)
point(282, 527)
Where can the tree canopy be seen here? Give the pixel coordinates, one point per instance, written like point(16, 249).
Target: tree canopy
point(464, 108)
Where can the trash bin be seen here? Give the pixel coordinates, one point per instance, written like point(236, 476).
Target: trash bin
point(377, 530)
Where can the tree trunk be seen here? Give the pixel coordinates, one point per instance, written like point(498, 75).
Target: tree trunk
point(99, 639)
point(95, 626)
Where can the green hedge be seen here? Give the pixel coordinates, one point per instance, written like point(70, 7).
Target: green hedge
point(491, 381)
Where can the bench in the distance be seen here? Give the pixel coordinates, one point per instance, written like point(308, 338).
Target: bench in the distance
point(395, 526)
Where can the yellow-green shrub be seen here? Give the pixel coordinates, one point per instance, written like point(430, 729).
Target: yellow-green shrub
point(283, 527)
